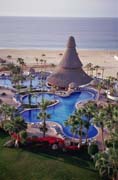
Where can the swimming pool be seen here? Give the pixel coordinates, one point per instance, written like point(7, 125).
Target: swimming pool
point(61, 111)
point(36, 83)
point(5, 82)
point(37, 97)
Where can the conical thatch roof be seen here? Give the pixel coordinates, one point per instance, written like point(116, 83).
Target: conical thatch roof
point(70, 69)
point(70, 58)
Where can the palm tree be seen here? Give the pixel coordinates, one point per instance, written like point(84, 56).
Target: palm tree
point(115, 116)
point(79, 113)
point(112, 118)
point(99, 119)
point(43, 115)
point(37, 60)
point(89, 111)
point(73, 123)
point(41, 62)
point(96, 68)
point(110, 81)
point(102, 164)
point(113, 158)
point(107, 164)
point(52, 66)
point(88, 67)
point(15, 126)
point(21, 62)
point(7, 111)
point(30, 77)
point(114, 140)
point(112, 150)
point(17, 77)
point(60, 54)
point(91, 71)
point(87, 125)
point(43, 73)
point(77, 123)
point(9, 56)
point(11, 111)
point(102, 68)
point(14, 69)
point(10, 66)
point(99, 87)
point(18, 80)
point(43, 54)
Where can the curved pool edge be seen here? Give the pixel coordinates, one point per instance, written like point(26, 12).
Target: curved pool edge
point(38, 93)
point(28, 109)
point(83, 138)
point(64, 135)
point(93, 93)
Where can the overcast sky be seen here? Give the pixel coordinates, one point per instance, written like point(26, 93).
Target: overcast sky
point(71, 8)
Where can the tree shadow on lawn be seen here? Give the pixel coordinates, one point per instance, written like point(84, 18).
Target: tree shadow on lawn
point(3, 134)
point(77, 158)
point(3, 137)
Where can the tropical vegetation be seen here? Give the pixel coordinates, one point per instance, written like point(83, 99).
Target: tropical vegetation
point(43, 115)
point(104, 117)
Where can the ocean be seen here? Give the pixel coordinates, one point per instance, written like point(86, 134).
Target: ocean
point(53, 33)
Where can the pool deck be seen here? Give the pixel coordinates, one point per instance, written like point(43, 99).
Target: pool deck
point(8, 98)
point(34, 130)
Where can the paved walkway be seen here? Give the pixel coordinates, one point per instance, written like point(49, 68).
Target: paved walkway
point(34, 130)
point(8, 98)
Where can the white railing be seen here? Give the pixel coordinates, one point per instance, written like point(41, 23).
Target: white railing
point(114, 98)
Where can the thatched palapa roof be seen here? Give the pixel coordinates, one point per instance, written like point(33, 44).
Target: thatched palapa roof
point(70, 69)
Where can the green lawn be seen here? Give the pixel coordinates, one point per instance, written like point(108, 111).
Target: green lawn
point(19, 164)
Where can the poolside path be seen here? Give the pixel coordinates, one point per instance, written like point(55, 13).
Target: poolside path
point(8, 97)
point(34, 130)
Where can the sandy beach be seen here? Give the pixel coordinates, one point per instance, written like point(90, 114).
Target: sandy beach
point(103, 58)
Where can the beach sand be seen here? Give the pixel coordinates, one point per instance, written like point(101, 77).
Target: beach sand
point(103, 58)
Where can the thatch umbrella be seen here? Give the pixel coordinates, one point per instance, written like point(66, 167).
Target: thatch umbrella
point(69, 69)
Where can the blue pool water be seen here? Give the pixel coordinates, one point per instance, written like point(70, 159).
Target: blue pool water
point(60, 112)
point(38, 97)
point(36, 82)
point(5, 82)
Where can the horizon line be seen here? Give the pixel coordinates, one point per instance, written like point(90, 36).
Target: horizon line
point(58, 16)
